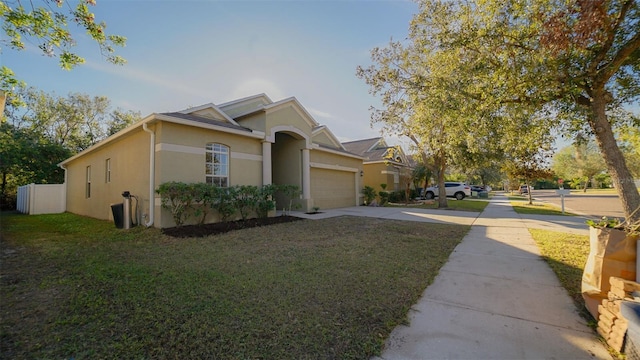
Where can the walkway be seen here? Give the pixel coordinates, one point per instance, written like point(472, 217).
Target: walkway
point(495, 298)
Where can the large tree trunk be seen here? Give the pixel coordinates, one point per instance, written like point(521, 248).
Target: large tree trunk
point(616, 164)
point(442, 191)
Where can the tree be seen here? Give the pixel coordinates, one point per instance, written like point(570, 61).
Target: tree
point(578, 60)
point(629, 136)
point(436, 119)
point(74, 122)
point(41, 130)
point(429, 94)
point(121, 119)
point(581, 161)
point(26, 157)
point(47, 25)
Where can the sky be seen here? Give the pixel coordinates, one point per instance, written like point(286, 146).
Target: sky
point(188, 53)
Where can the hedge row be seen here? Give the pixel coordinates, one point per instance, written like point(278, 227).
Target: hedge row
point(185, 200)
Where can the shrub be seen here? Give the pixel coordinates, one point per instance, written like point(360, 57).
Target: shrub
point(223, 202)
point(203, 195)
point(245, 199)
point(177, 197)
point(291, 193)
point(384, 197)
point(369, 194)
point(264, 202)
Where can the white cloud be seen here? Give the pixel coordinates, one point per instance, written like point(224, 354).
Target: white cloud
point(129, 72)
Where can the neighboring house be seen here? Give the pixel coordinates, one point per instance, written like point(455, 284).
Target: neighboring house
point(251, 141)
point(383, 164)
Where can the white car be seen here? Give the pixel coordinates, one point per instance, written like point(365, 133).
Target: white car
point(456, 190)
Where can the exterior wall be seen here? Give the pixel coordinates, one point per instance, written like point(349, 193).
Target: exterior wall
point(395, 176)
point(237, 109)
point(255, 122)
point(287, 116)
point(323, 138)
point(129, 158)
point(374, 176)
point(210, 113)
point(180, 156)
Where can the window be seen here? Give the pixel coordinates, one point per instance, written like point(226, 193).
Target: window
point(88, 187)
point(217, 165)
point(107, 171)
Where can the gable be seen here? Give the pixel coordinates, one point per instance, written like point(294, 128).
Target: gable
point(210, 111)
point(237, 108)
point(322, 135)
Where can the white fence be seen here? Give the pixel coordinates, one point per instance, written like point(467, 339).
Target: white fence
point(42, 199)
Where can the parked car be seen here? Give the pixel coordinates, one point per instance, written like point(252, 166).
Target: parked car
point(456, 190)
point(477, 188)
point(524, 189)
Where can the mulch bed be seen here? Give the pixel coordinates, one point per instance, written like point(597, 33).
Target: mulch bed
point(223, 227)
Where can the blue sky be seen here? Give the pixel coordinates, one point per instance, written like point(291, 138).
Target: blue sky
point(189, 53)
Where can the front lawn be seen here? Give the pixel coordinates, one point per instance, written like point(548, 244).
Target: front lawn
point(521, 206)
point(462, 205)
point(566, 254)
point(74, 287)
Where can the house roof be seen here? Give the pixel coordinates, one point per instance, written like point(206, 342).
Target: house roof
point(205, 120)
point(361, 147)
point(375, 150)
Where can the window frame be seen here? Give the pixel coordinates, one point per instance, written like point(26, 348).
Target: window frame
point(107, 170)
point(87, 191)
point(217, 172)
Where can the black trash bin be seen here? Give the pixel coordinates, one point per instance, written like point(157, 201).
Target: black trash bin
point(118, 214)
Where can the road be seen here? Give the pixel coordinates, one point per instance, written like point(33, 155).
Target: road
point(592, 205)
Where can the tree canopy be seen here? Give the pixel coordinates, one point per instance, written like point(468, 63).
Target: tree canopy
point(504, 68)
point(45, 23)
point(41, 130)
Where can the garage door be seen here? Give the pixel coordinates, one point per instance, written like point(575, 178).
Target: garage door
point(332, 189)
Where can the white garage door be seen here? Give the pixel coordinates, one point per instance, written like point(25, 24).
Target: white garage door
point(332, 189)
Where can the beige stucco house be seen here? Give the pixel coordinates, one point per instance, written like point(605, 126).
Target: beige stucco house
point(250, 141)
point(383, 164)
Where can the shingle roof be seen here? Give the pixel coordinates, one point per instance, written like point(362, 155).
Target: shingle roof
point(360, 147)
point(367, 148)
point(204, 120)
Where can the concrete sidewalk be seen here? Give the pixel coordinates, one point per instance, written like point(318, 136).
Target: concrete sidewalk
point(496, 298)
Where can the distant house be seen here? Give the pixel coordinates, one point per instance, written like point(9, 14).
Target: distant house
point(250, 141)
point(383, 164)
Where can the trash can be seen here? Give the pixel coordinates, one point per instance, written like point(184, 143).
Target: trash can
point(483, 194)
point(118, 214)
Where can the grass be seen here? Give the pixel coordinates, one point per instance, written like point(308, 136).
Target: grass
point(594, 192)
point(521, 205)
point(462, 205)
point(566, 254)
point(75, 287)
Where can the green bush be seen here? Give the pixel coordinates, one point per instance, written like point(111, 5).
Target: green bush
point(384, 197)
point(203, 195)
point(369, 194)
point(177, 197)
point(264, 202)
point(223, 202)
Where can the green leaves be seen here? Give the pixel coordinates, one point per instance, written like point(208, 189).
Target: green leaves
point(48, 28)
